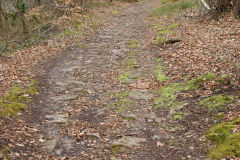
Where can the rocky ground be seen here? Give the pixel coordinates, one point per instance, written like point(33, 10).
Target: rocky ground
point(110, 98)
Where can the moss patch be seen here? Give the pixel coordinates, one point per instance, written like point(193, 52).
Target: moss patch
point(132, 53)
point(131, 63)
point(4, 153)
point(118, 148)
point(168, 92)
point(124, 75)
point(165, 30)
point(159, 72)
point(116, 12)
point(128, 118)
point(217, 101)
point(133, 44)
point(121, 103)
point(227, 142)
point(16, 99)
point(179, 116)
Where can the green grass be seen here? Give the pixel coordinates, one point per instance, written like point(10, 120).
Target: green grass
point(227, 142)
point(172, 6)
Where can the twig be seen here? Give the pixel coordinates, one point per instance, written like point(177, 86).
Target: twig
point(205, 4)
point(49, 29)
point(7, 44)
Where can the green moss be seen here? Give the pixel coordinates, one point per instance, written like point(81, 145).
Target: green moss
point(81, 45)
point(133, 44)
point(128, 118)
point(168, 92)
point(132, 53)
point(195, 83)
point(159, 40)
point(222, 78)
point(124, 75)
point(166, 30)
point(118, 148)
point(116, 12)
point(159, 73)
point(179, 116)
point(227, 142)
point(131, 63)
point(121, 95)
point(174, 129)
point(4, 152)
point(157, 26)
point(121, 104)
point(177, 105)
point(16, 99)
point(219, 116)
point(217, 101)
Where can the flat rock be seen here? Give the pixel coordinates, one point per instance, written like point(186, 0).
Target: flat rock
point(64, 97)
point(65, 83)
point(50, 144)
point(129, 141)
point(140, 95)
point(97, 135)
point(59, 118)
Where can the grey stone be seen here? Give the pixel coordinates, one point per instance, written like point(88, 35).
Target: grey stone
point(59, 118)
point(64, 97)
point(129, 141)
point(140, 95)
point(59, 151)
point(94, 135)
point(67, 142)
point(162, 137)
point(65, 83)
point(69, 69)
point(78, 89)
point(50, 144)
point(126, 81)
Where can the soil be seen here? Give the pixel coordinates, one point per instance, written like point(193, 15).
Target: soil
point(85, 111)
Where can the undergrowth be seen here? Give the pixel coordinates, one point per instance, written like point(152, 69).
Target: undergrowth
point(169, 7)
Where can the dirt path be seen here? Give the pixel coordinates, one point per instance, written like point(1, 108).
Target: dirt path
point(97, 98)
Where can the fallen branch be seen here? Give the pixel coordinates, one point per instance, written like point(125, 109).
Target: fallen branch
point(171, 41)
point(7, 44)
point(205, 4)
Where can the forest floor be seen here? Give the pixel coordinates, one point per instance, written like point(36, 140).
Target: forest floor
point(119, 93)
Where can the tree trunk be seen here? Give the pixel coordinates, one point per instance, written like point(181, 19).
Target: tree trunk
point(237, 8)
point(21, 12)
point(1, 15)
